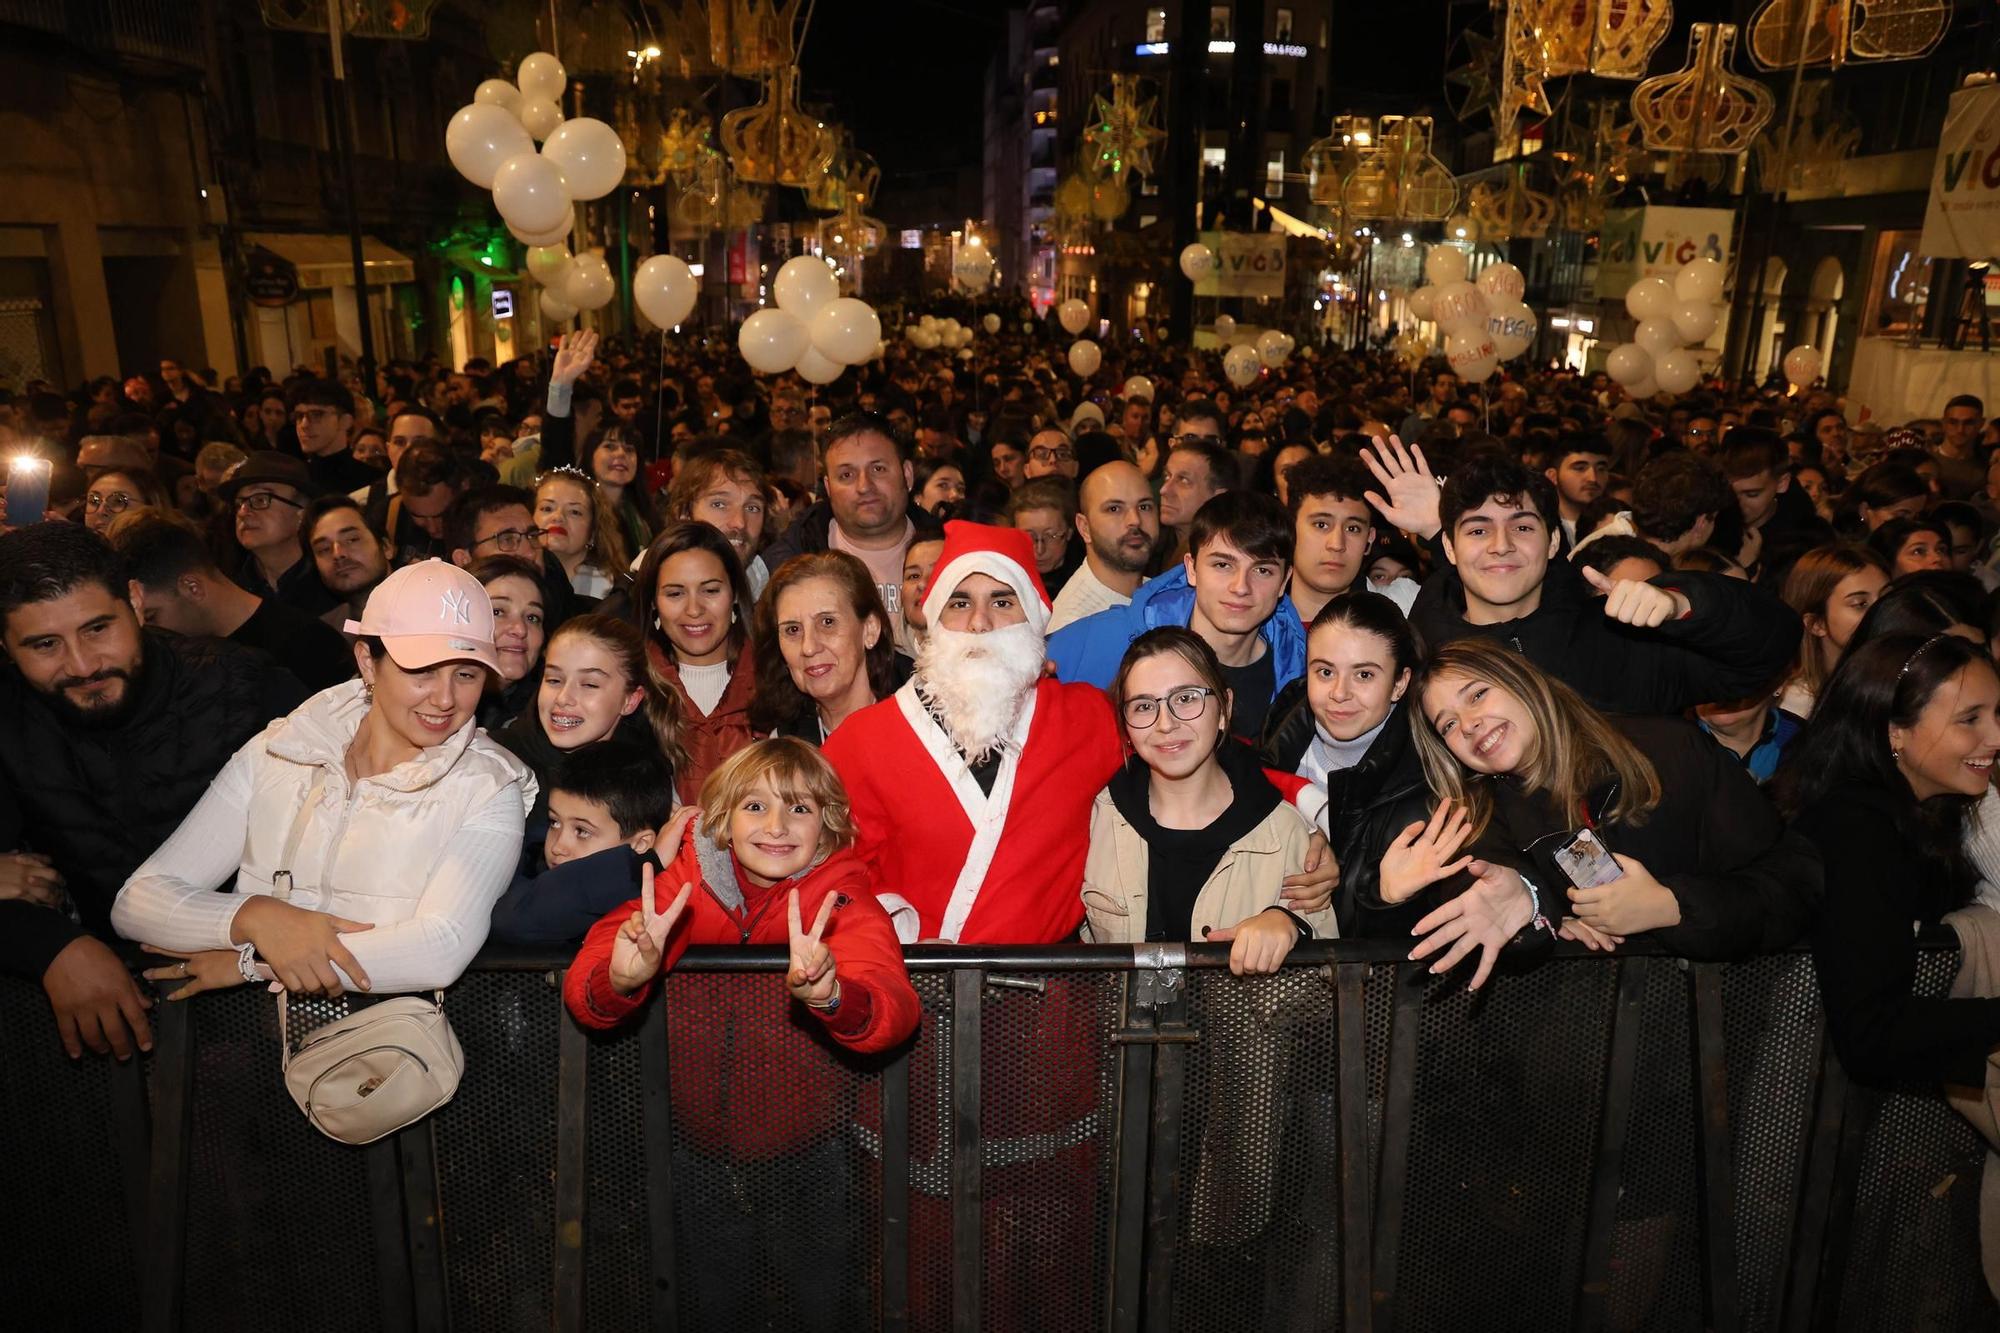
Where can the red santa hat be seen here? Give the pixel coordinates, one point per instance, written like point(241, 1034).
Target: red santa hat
point(1006, 554)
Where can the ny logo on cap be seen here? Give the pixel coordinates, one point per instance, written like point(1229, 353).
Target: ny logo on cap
point(457, 608)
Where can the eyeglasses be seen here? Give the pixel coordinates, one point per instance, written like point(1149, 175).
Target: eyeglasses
point(261, 500)
point(1044, 540)
point(313, 414)
point(1187, 703)
point(513, 539)
point(1199, 439)
point(115, 503)
point(1047, 455)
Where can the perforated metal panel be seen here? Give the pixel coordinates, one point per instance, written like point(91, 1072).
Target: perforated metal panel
point(1260, 1197)
point(1771, 1029)
point(1655, 1275)
point(59, 1178)
point(496, 1153)
point(930, 1156)
point(1048, 1138)
point(772, 1223)
point(1509, 1089)
point(617, 1258)
point(277, 1214)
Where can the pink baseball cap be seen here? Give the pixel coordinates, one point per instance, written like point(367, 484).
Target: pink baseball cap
point(428, 613)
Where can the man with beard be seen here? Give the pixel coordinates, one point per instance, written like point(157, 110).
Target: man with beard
point(1120, 525)
point(351, 557)
point(113, 733)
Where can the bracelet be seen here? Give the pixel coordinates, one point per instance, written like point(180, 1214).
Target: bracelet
point(246, 963)
point(832, 1005)
point(1536, 921)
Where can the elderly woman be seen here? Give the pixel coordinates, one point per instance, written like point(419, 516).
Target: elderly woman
point(368, 833)
point(824, 646)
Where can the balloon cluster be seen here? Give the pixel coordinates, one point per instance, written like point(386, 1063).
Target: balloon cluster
point(1485, 321)
point(813, 329)
point(1245, 361)
point(1672, 314)
point(492, 143)
point(930, 332)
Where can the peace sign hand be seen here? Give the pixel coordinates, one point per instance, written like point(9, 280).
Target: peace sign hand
point(642, 941)
point(1422, 854)
point(1406, 479)
point(811, 977)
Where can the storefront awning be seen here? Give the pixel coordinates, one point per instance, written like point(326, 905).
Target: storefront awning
point(325, 260)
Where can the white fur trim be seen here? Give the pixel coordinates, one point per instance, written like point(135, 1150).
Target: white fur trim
point(994, 565)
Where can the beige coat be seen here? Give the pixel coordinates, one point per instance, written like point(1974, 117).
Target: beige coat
point(1246, 881)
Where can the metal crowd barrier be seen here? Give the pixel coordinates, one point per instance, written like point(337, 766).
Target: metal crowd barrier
point(1077, 1139)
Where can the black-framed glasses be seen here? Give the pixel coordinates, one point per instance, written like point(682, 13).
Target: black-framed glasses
point(1215, 440)
point(513, 539)
point(261, 500)
point(313, 413)
point(1044, 454)
point(115, 503)
point(1187, 703)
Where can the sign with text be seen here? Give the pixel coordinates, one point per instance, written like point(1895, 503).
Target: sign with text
point(503, 303)
point(269, 279)
point(1962, 220)
point(1653, 242)
point(1246, 264)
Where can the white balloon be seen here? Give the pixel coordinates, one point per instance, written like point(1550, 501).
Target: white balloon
point(965, 355)
point(1699, 280)
point(1646, 388)
point(1471, 355)
point(1502, 282)
point(529, 192)
point(1677, 371)
point(542, 75)
point(1225, 327)
point(921, 338)
point(1073, 315)
point(928, 321)
point(1422, 302)
point(1138, 387)
point(665, 290)
point(548, 263)
point(588, 285)
point(973, 268)
point(540, 117)
point(1241, 365)
point(553, 236)
point(1197, 261)
point(555, 308)
point(1085, 357)
point(1027, 326)
point(846, 330)
point(1802, 365)
point(991, 323)
point(1273, 347)
point(1658, 336)
point(1629, 364)
point(480, 137)
point(1459, 307)
point(962, 338)
point(814, 368)
point(805, 286)
point(1511, 326)
point(1445, 263)
point(589, 156)
point(772, 341)
point(1650, 298)
point(498, 92)
point(1695, 320)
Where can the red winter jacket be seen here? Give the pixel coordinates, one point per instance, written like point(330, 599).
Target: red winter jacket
point(741, 1088)
point(709, 738)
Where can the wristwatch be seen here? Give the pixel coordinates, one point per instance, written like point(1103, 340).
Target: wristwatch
point(246, 963)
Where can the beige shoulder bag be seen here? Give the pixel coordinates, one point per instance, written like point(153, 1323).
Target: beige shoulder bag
point(372, 1073)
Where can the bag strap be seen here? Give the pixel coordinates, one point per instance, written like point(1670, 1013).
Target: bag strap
point(281, 883)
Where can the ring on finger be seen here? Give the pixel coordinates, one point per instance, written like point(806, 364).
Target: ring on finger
point(184, 967)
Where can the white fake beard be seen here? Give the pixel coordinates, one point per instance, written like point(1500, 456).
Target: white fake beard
point(977, 684)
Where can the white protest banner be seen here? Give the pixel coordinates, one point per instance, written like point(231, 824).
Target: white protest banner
point(1246, 264)
point(1654, 242)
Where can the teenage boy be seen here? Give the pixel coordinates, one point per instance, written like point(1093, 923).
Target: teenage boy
point(1333, 530)
point(1229, 589)
point(1662, 646)
point(1580, 470)
point(606, 805)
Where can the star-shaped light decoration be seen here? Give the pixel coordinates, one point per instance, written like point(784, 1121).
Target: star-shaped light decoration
point(1471, 87)
point(1123, 130)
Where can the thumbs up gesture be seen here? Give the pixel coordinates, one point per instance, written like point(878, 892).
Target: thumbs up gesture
point(1630, 602)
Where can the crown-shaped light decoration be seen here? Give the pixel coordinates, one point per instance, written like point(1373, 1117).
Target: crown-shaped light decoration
point(684, 143)
point(1821, 140)
point(1787, 34)
point(705, 204)
point(1123, 130)
point(1703, 108)
point(1398, 178)
point(1503, 211)
point(1553, 39)
point(752, 36)
point(776, 142)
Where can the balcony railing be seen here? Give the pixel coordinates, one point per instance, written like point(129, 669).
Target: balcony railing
point(1077, 1139)
point(165, 31)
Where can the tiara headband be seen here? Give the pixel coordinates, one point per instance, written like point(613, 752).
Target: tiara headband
point(571, 471)
point(1922, 648)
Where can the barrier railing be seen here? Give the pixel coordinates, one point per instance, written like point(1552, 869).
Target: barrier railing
point(1077, 1139)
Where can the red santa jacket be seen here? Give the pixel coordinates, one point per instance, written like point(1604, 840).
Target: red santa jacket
point(739, 1088)
point(1012, 861)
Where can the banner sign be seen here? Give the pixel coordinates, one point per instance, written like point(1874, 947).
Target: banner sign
point(1962, 220)
point(1652, 242)
point(1247, 264)
point(269, 279)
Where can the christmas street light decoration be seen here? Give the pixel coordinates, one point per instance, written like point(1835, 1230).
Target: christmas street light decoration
point(1123, 131)
point(1553, 39)
point(684, 144)
point(752, 36)
point(409, 20)
point(1820, 141)
point(1398, 178)
point(1503, 212)
point(1471, 88)
point(1703, 108)
point(1595, 160)
point(1788, 34)
point(776, 142)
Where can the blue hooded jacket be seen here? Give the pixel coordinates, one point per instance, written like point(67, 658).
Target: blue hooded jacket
point(1090, 649)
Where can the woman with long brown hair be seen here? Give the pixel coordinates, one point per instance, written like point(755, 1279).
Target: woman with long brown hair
point(1831, 587)
point(825, 649)
point(1631, 825)
point(697, 607)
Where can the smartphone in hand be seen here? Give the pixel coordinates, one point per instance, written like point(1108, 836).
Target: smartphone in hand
point(27, 490)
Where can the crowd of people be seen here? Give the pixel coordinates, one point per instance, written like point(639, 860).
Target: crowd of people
point(625, 649)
